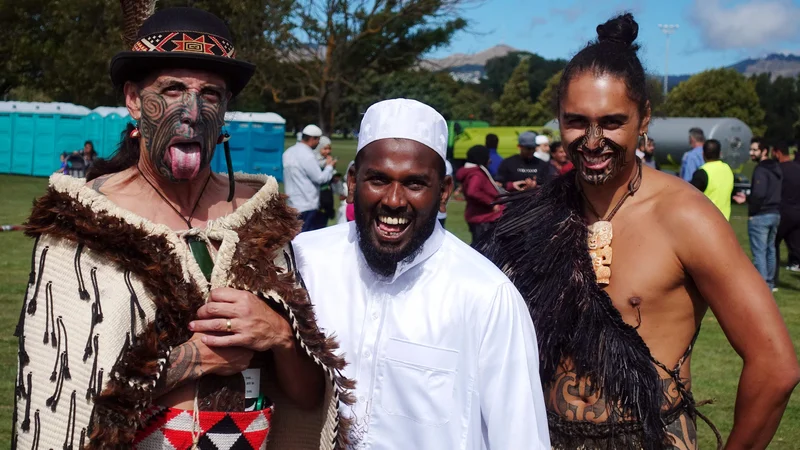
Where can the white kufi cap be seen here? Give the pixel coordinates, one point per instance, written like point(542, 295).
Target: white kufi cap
point(542, 139)
point(312, 130)
point(406, 119)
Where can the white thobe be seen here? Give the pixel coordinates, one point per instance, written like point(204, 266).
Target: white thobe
point(444, 353)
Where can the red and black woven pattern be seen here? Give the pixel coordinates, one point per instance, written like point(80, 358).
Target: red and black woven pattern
point(186, 42)
point(171, 429)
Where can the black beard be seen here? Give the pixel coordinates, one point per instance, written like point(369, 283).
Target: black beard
point(593, 177)
point(385, 263)
point(158, 126)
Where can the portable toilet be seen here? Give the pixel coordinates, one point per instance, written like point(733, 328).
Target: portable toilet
point(6, 136)
point(93, 130)
point(115, 119)
point(256, 144)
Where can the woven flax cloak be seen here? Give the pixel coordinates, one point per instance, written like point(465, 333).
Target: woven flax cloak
point(110, 294)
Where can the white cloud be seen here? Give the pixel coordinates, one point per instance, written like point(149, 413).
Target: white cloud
point(536, 21)
point(751, 24)
point(570, 14)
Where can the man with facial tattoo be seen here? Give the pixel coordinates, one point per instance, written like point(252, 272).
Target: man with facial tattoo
point(438, 340)
point(619, 263)
point(162, 311)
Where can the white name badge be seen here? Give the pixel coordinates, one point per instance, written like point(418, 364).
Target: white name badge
point(252, 388)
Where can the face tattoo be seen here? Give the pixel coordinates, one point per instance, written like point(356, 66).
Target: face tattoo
point(597, 165)
point(181, 128)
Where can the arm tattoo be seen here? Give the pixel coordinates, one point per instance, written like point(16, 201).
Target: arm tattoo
point(184, 366)
point(98, 183)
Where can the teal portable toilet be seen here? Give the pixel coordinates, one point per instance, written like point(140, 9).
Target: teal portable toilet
point(93, 130)
point(115, 119)
point(256, 144)
point(59, 129)
point(6, 136)
point(23, 125)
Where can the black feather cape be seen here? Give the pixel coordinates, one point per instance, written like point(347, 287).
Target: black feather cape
point(541, 244)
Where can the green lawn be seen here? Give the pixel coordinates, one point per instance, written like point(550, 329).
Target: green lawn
point(715, 365)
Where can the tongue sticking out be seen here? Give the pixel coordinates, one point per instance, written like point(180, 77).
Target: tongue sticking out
point(185, 160)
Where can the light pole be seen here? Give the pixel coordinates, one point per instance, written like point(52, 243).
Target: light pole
point(667, 30)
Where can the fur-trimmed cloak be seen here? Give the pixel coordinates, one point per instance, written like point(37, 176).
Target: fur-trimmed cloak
point(110, 294)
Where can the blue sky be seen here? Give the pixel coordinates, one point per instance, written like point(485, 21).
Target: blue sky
point(712, 33)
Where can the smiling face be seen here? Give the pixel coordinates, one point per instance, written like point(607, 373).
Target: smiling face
point(559, 154)
point(180, 115)
point(397, 189)
point(600, 126)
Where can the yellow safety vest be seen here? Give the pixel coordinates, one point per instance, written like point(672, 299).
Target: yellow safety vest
point(720, 185)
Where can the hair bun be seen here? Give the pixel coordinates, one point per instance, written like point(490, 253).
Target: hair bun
point(621, 29)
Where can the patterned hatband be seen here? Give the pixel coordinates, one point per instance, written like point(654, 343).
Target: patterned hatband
point(186, 42)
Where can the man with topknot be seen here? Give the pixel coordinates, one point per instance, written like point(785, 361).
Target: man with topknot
point(619, 263)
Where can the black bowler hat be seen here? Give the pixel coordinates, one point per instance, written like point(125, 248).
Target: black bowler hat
point(183, 38)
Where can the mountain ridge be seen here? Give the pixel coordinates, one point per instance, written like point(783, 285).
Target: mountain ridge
point(470, 67)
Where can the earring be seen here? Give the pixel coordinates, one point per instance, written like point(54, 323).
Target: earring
point(645, 138)
point(135, 133)
point(223, 138)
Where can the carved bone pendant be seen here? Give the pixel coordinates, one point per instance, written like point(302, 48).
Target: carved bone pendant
point(600, 234)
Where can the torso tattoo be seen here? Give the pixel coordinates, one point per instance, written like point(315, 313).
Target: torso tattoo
point(578, 400)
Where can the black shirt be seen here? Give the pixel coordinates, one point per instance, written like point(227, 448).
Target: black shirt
point(790, 187)
point(514, 168)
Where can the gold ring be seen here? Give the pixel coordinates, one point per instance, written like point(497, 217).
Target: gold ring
point(228, 325)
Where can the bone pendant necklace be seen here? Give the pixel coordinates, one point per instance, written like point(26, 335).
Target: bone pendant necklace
point(601, 232)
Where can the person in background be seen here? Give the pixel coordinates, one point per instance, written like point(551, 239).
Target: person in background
point(715, 178)
point(448, 172)
point(302, 176)
point(64, 168)
point(789, 227)
point(693, 159)
point(560, 161)
point(542, 150)
point(439, 342)
point(524, 171)
point(345, 212)
point(327, 209)
point(480, 192)
point(88, 154)
point(492, 141)
point(646, 152)
point(763, 210)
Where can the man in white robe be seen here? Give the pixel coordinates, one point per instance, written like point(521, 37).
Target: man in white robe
point(439, 341)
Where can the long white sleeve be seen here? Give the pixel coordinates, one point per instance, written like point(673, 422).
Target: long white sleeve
point(512, 403)
point(311, 168)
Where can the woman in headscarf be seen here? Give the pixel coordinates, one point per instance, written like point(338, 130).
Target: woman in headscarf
point(326, 210)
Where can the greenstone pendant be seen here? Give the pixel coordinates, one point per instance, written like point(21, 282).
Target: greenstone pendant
point(201, 255)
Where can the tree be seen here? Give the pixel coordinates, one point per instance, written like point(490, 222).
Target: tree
point(545, 108)
point(779, 98)
point(717, 93)
point(337, 42)
point(469, 103)
point(63, 50)
point(514, 107)
point(498, 71)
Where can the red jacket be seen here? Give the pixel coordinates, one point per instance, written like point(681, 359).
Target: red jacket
point(480, 192)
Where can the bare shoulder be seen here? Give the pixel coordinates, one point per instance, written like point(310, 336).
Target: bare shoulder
point(97, 183)
point(678, 204)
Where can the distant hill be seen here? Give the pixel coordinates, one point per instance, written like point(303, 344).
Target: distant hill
point(779, 65)
point(470, 68)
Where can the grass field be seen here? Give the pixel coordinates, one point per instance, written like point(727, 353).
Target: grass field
point(715, 365)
